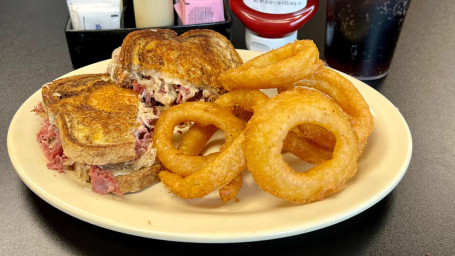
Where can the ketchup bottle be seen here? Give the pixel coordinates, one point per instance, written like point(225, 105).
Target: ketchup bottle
point(271, 24)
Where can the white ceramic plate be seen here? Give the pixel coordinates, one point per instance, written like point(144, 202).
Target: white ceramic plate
point(156, 213)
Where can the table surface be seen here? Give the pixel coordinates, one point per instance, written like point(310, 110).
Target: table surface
point(416, 218)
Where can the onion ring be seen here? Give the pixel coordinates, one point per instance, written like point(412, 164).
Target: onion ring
point(215, 174)
point(195, 139)
point(279, 67)
point(193, 143)
point(269, 126)
point(242, 98)
point(304, 149)
point(230, 190)
point(203, 114)
point(344, 93)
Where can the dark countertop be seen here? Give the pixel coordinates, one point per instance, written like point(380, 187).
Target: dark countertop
point(416, 218)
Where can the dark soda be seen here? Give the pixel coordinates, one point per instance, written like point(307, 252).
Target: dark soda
point(361, 35)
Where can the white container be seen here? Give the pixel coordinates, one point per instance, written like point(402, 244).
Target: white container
point(263, 44)
point(153, 13)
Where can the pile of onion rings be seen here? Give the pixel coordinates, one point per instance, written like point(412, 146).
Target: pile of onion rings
point(318, 115)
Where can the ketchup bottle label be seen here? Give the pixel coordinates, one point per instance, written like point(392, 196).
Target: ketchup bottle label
point(276, 6)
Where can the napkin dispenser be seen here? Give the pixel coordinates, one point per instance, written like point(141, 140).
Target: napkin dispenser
point(90, 46)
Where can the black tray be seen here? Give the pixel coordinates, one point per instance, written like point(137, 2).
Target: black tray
point(90, 46)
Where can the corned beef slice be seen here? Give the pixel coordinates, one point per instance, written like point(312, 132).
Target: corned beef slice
point(103, 182)
point(50, 142)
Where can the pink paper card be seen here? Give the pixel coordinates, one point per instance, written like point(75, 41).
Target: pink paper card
point(199, 11)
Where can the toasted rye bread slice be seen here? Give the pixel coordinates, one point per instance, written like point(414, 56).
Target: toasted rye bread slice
point(96, 118)
point(195, 58)
point(139, 179)
point(95, 137)
point(132, 182)
point(57, 91)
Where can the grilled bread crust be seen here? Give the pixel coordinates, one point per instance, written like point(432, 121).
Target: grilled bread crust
point(195, 58)
point(96, 118)
point(57, 91)
point(139, 179)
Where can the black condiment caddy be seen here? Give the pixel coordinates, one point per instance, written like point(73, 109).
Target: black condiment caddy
point(90, 46)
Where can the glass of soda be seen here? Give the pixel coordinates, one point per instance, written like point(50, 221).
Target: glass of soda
point(361, 35)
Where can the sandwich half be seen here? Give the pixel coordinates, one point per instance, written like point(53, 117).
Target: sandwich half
point(167, 69)
point(100, 126)
point(94, 129)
